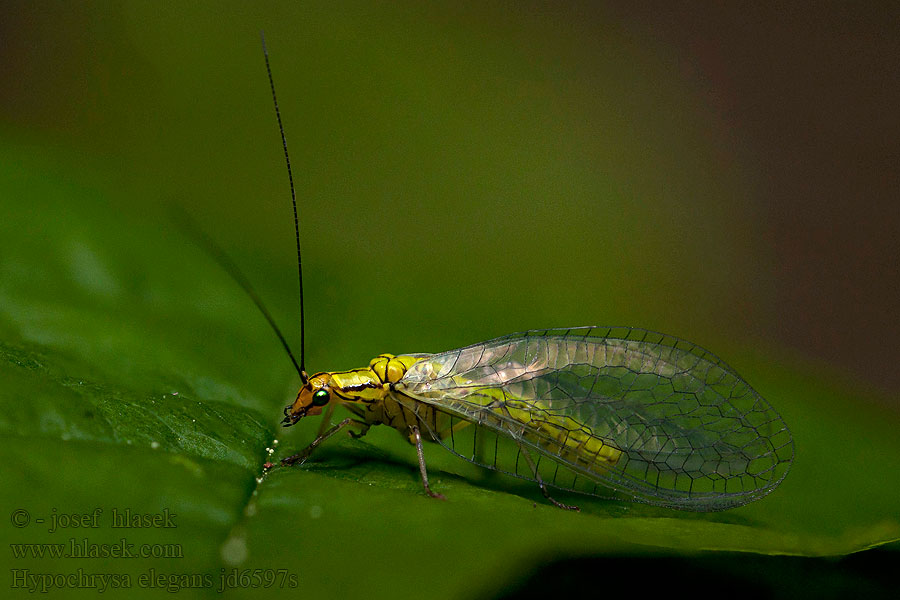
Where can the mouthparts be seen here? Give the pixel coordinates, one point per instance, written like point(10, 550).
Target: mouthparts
point(290, 418)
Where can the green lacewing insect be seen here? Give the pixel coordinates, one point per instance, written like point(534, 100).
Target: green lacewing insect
point(606, 411)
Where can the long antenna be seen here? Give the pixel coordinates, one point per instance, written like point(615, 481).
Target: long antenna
point(287, 160)
point(191, 227)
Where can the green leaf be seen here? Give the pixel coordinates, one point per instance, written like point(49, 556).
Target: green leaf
point(136, 376)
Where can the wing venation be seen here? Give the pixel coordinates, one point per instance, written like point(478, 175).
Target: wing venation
point(655, 417)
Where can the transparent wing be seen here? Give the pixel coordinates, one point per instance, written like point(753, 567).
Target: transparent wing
point(641, 413)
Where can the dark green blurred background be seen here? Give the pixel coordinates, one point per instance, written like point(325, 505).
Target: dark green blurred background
point(724, 174)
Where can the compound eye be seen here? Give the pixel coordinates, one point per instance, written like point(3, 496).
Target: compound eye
point(320, 398)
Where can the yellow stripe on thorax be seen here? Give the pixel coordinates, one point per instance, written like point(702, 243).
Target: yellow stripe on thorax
point(370, 384)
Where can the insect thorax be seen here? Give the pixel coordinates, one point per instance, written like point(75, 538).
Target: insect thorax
point(371, 384)
point(367, 391)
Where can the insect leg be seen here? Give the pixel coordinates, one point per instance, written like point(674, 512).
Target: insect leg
point(301, 456)
point(540, 482)
point(414, 431)
point(363, 426)
point(363, 430)
point(326, 419)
